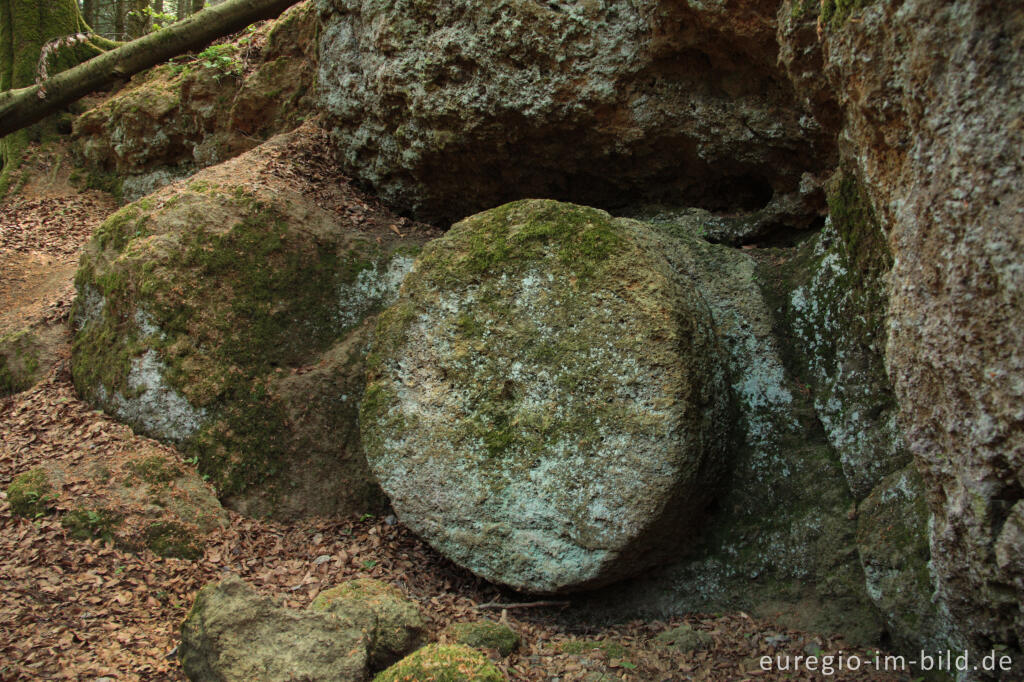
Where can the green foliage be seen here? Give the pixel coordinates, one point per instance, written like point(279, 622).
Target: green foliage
point(223, 58)
point(30, 494)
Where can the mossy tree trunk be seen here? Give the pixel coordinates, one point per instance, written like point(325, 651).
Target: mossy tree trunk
point(120, 9)
point(21, 107)
point(137, 20)
point(25, 27)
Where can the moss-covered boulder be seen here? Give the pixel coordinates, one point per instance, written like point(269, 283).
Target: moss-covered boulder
point(547, 404)
point(140, 497)
point(391, 622)
point(484, 634)
point(233, 634)
point(443, 663)
point(226, 315)
point(20, 361)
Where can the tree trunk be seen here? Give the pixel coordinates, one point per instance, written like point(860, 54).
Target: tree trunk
point(119, 11)
point(137, 20)
point(89, 12)
point(183, 7)
point(25, 27)
point(197, 5)
point(25, 106)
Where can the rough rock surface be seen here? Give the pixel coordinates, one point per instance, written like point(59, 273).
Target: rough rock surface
point(233, 634)
point(22, 357)
point(391, 622)
point(933, 98)
point(226, 314)
point(781, 538)
point(178, 117)
point(143, 499)
point(484, 634)
point(449, 662)
point(547, 403)
point(448, 109)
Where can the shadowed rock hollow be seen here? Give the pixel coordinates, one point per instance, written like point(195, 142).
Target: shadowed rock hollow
point(446, 109)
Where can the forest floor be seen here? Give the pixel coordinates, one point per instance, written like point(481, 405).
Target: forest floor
point(72, 609)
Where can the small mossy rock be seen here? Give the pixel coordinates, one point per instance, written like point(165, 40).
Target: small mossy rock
point(228, 317)
point(233, 634)
point(30, 494)
point(546, 402)
point(485, 634)
point(685, 639)
point(442, 663)
point(20, 367)
point(392, 623)
point(892, 537)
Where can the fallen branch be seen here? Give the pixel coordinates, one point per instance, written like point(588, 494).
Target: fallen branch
point(524, 605)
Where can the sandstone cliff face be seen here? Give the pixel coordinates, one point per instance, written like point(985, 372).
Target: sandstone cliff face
point(447, 109)
point(933, 98)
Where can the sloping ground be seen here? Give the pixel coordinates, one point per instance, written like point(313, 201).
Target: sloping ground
point(73, 610)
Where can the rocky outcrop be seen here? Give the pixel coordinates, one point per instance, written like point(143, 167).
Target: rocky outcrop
point(227, 315)
point(445, 110)
point(931, 96)
point(185, 115)
point(547, 403)
point(392, 624)
point(232, 634)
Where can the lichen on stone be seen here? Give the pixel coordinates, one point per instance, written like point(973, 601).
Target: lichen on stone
point(534, 356)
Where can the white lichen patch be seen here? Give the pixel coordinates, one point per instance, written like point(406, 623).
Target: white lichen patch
point(152, 406)
point(373, 287)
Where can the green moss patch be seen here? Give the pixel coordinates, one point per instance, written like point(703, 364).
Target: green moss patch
point(30, 494)
point(443, 663)
point(485, 634)
point(173, 540)
point(90, 524)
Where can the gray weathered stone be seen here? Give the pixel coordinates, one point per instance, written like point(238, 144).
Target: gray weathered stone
point(446, 109)
point(547, 402)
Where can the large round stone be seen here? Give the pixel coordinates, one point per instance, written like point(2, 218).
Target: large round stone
point(547, 404)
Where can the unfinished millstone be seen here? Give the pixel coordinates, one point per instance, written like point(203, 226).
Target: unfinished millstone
point(546, 402)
